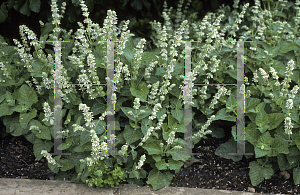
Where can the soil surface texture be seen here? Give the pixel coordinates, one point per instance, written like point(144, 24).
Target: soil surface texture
point(18, 161)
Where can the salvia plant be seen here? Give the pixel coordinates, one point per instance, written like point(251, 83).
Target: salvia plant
point(149, 92)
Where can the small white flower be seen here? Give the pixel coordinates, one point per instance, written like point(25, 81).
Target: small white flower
point(136, 103)
point(124, 149)
point(290, 67)
point(130, 112)
point(242, 89)
point(141, 162)
point(294, 91)
point(155, 109)
point(171, 138)
point(289, 104)
point(288, 125)
point(204, 127)
point(263, 72)
point(149, 132)
point(48, 157)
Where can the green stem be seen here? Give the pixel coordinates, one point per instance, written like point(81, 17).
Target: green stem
point(164, 151)
point(267, 159)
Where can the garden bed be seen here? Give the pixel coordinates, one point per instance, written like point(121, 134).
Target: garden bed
point(18, 161)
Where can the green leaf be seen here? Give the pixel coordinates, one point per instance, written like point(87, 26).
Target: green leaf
point(231, 103)
point(148, 56)
point(26, 117)
point(46, 29)
point(35, 5)
point(108, 162)
point(129, 50)
point(64, 146)
point(43, 132)
point(158, 179)
point(75, 98)
point(136, 174)
point(134, 154)
point(294, 113)
point(263, 145)
point(77, 156)
point(250, 104)
point(179, 154)
point(134, 125)
point(79, 148)
point(132, 135)
point(296, 175)
point(99, 127)
point(66, 165)
point(260, 107)
point(218, 132)
point(281, 14)
point(293, 157)
point(229, 147)
point(178, 128)
point(281, 135)
point(283, 162)
point(9, 98)
point(275, 120)
point(161, 165)
point(156, 157)
point(286, 47)
point(258, 173)
point(297, 141)
point(165, 131)
point(278, 146)
point(98, 108)
point(153, 147)
point(175, 165)
point(178, 114)
point(40, 145)
point(160, 71)
point(85, 137)
point(140, 115)
point(85, 147)
point(25, 9)
point(19, 108)
point(13, 126)
point(27, 96)
point(37, 69)
point(69, 116)
point(140, 92)
point(30, 137)
point(5, 109)
point(262, 120)
point(221, 115)
point(3, 13)
point(171, 120)
point(54, 168)
point(252, 134)
point(78, 121)
point(2, 91)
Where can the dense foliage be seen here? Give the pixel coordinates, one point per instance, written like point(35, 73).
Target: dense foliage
point(149, 93)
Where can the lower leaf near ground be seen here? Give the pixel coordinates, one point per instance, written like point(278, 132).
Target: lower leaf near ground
point(158, 179)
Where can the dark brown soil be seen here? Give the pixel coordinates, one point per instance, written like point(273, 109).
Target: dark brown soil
point(219, 173)
point(18, 161)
